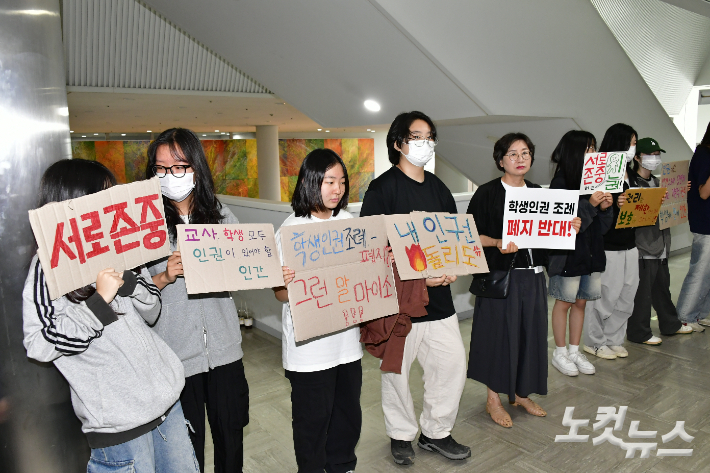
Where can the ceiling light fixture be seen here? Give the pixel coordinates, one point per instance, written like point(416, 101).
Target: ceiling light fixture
point(148, 131)
point(83, 136)
point(327, 131)
point(123, 134)
point(216, 131)
point(372, 106)
point(204, 135)
point(71, 131)
point(320, 129)
point(96, 134)
point(372, 131)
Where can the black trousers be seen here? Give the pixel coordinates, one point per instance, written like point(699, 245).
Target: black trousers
point(654, 290)
point(327, 417)
point(225, 392)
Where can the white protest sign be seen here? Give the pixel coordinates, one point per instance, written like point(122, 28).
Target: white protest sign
point(603, 172)
point(540, 218)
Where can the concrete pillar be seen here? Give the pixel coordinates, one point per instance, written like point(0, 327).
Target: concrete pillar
point(267, 155)
point(41, 432)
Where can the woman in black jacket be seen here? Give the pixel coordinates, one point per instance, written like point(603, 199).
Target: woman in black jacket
point(575, 274)
point(509, 336)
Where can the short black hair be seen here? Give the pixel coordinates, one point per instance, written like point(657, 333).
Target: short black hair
point(73, 178)
point(307, 196)
point(617, 138)
point(569, 156)
point(399, 132)
point(500, 149)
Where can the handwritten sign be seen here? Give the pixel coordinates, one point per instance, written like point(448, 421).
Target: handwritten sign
point(603, 172)
point(641, 207)
point(229, 257)
point(343, 274)
point(433, 244)
point(674, 177)
point(121, 228)
point(540, 218)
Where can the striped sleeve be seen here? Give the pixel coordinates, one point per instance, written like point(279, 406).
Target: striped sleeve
point(54, 328)
point(146, 298)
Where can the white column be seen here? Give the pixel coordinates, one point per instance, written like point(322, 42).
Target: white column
point(267, 155)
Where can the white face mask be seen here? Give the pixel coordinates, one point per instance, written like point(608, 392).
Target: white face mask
point(630, 154)
point(650, 161)
point(420, 152)
point(177, 188)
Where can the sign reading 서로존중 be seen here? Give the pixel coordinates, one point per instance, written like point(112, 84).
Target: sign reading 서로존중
point(121, 227)
point(343, 275)
point(229, 257)
point(431, 244)
point(540, 218)
point(674, 177)
point(603, 172)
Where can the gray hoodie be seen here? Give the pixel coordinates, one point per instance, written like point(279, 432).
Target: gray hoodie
point(202, 329)
point(651, 240)
point(123, 377)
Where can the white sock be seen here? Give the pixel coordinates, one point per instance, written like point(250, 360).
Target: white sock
point(560, 351)
point(574, 349)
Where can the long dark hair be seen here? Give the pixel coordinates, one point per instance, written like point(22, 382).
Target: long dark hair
point(307, 195)
point(71, 179)
point(569, 156)
point(185, 146)
point(618, 138)
point(398, 133)
point(706, 138)
point(500, 148)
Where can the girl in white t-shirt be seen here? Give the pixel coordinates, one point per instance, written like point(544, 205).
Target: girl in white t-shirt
point(325, 372)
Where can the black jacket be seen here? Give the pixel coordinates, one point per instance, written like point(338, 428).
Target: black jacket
point(588, 255)
point(487, 206)
point(623, 238)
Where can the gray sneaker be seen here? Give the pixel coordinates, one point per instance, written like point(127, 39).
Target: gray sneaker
point(447, 446)
point(704, 322)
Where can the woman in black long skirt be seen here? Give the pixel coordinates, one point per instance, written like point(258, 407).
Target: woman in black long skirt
point(509, 336)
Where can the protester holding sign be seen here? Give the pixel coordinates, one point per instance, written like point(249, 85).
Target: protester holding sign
point(325, 372)
point(204, 331)
point(125, 381)
point(654, 247)
point(509, 331)
point(575, 276)
point(435, 339)
point(694, 298)
point(605, 318)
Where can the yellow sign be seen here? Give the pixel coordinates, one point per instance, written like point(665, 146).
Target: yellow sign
point(641, 207)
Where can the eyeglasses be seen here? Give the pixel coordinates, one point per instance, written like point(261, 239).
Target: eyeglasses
point(177, 170)
point(525, 156)
point(418, 140)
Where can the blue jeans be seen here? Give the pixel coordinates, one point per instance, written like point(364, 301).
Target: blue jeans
point(571, 288)
point(694, 299)
point(165, 449)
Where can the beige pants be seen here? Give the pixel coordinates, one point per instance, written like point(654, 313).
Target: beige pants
point(439, 349)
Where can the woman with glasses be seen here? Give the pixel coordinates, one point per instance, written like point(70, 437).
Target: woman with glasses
point(203, 329)
point(509, 335)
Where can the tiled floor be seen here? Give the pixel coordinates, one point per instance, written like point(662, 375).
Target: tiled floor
point(660, 385)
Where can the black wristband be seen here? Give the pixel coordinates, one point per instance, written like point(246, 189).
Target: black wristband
point(101, 309)
point(129, 283)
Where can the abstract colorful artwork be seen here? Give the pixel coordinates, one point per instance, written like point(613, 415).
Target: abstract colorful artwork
point(234, 165)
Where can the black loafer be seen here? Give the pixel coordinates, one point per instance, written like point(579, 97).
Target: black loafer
point(447, 446)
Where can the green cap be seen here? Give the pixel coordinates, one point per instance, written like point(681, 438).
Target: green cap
point(648, 146)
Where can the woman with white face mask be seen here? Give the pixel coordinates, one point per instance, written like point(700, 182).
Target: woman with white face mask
point(654, 246)
point(203, 331)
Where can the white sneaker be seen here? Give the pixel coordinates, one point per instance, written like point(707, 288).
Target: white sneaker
point(686, 329)
point(582, 363)
point(704, 322)
point(696, 327)
point(654, 340)
point(619, 350)
point(602, 352)
point(564, 365)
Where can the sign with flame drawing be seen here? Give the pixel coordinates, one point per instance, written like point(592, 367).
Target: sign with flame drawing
point(433, 244)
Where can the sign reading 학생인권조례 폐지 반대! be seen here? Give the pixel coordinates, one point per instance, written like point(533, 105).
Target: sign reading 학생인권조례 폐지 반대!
point(342, 274)
point(603, 172)
point(674, 177)
point(641, 207)
point(431, 244)
point(229, 257)
point(540, 218)
point(121, 227)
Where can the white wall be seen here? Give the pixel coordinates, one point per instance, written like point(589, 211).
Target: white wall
point(703, 120)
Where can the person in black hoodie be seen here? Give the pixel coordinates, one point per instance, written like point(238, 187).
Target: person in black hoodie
point(575, 275)
point(605, 319)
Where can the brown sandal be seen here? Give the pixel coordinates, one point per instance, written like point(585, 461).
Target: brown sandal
point(499, 415)
point(529, 405)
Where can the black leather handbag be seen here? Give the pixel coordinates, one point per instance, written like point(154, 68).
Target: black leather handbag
point(494, 285)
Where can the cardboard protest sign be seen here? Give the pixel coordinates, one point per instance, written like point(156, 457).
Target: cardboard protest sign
point(603, 172)
point(674, 177)
point(641, 207)
point(229, 257)
point(540, 218)
point(429, 244)
point(343, 274)
point(121, 228)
